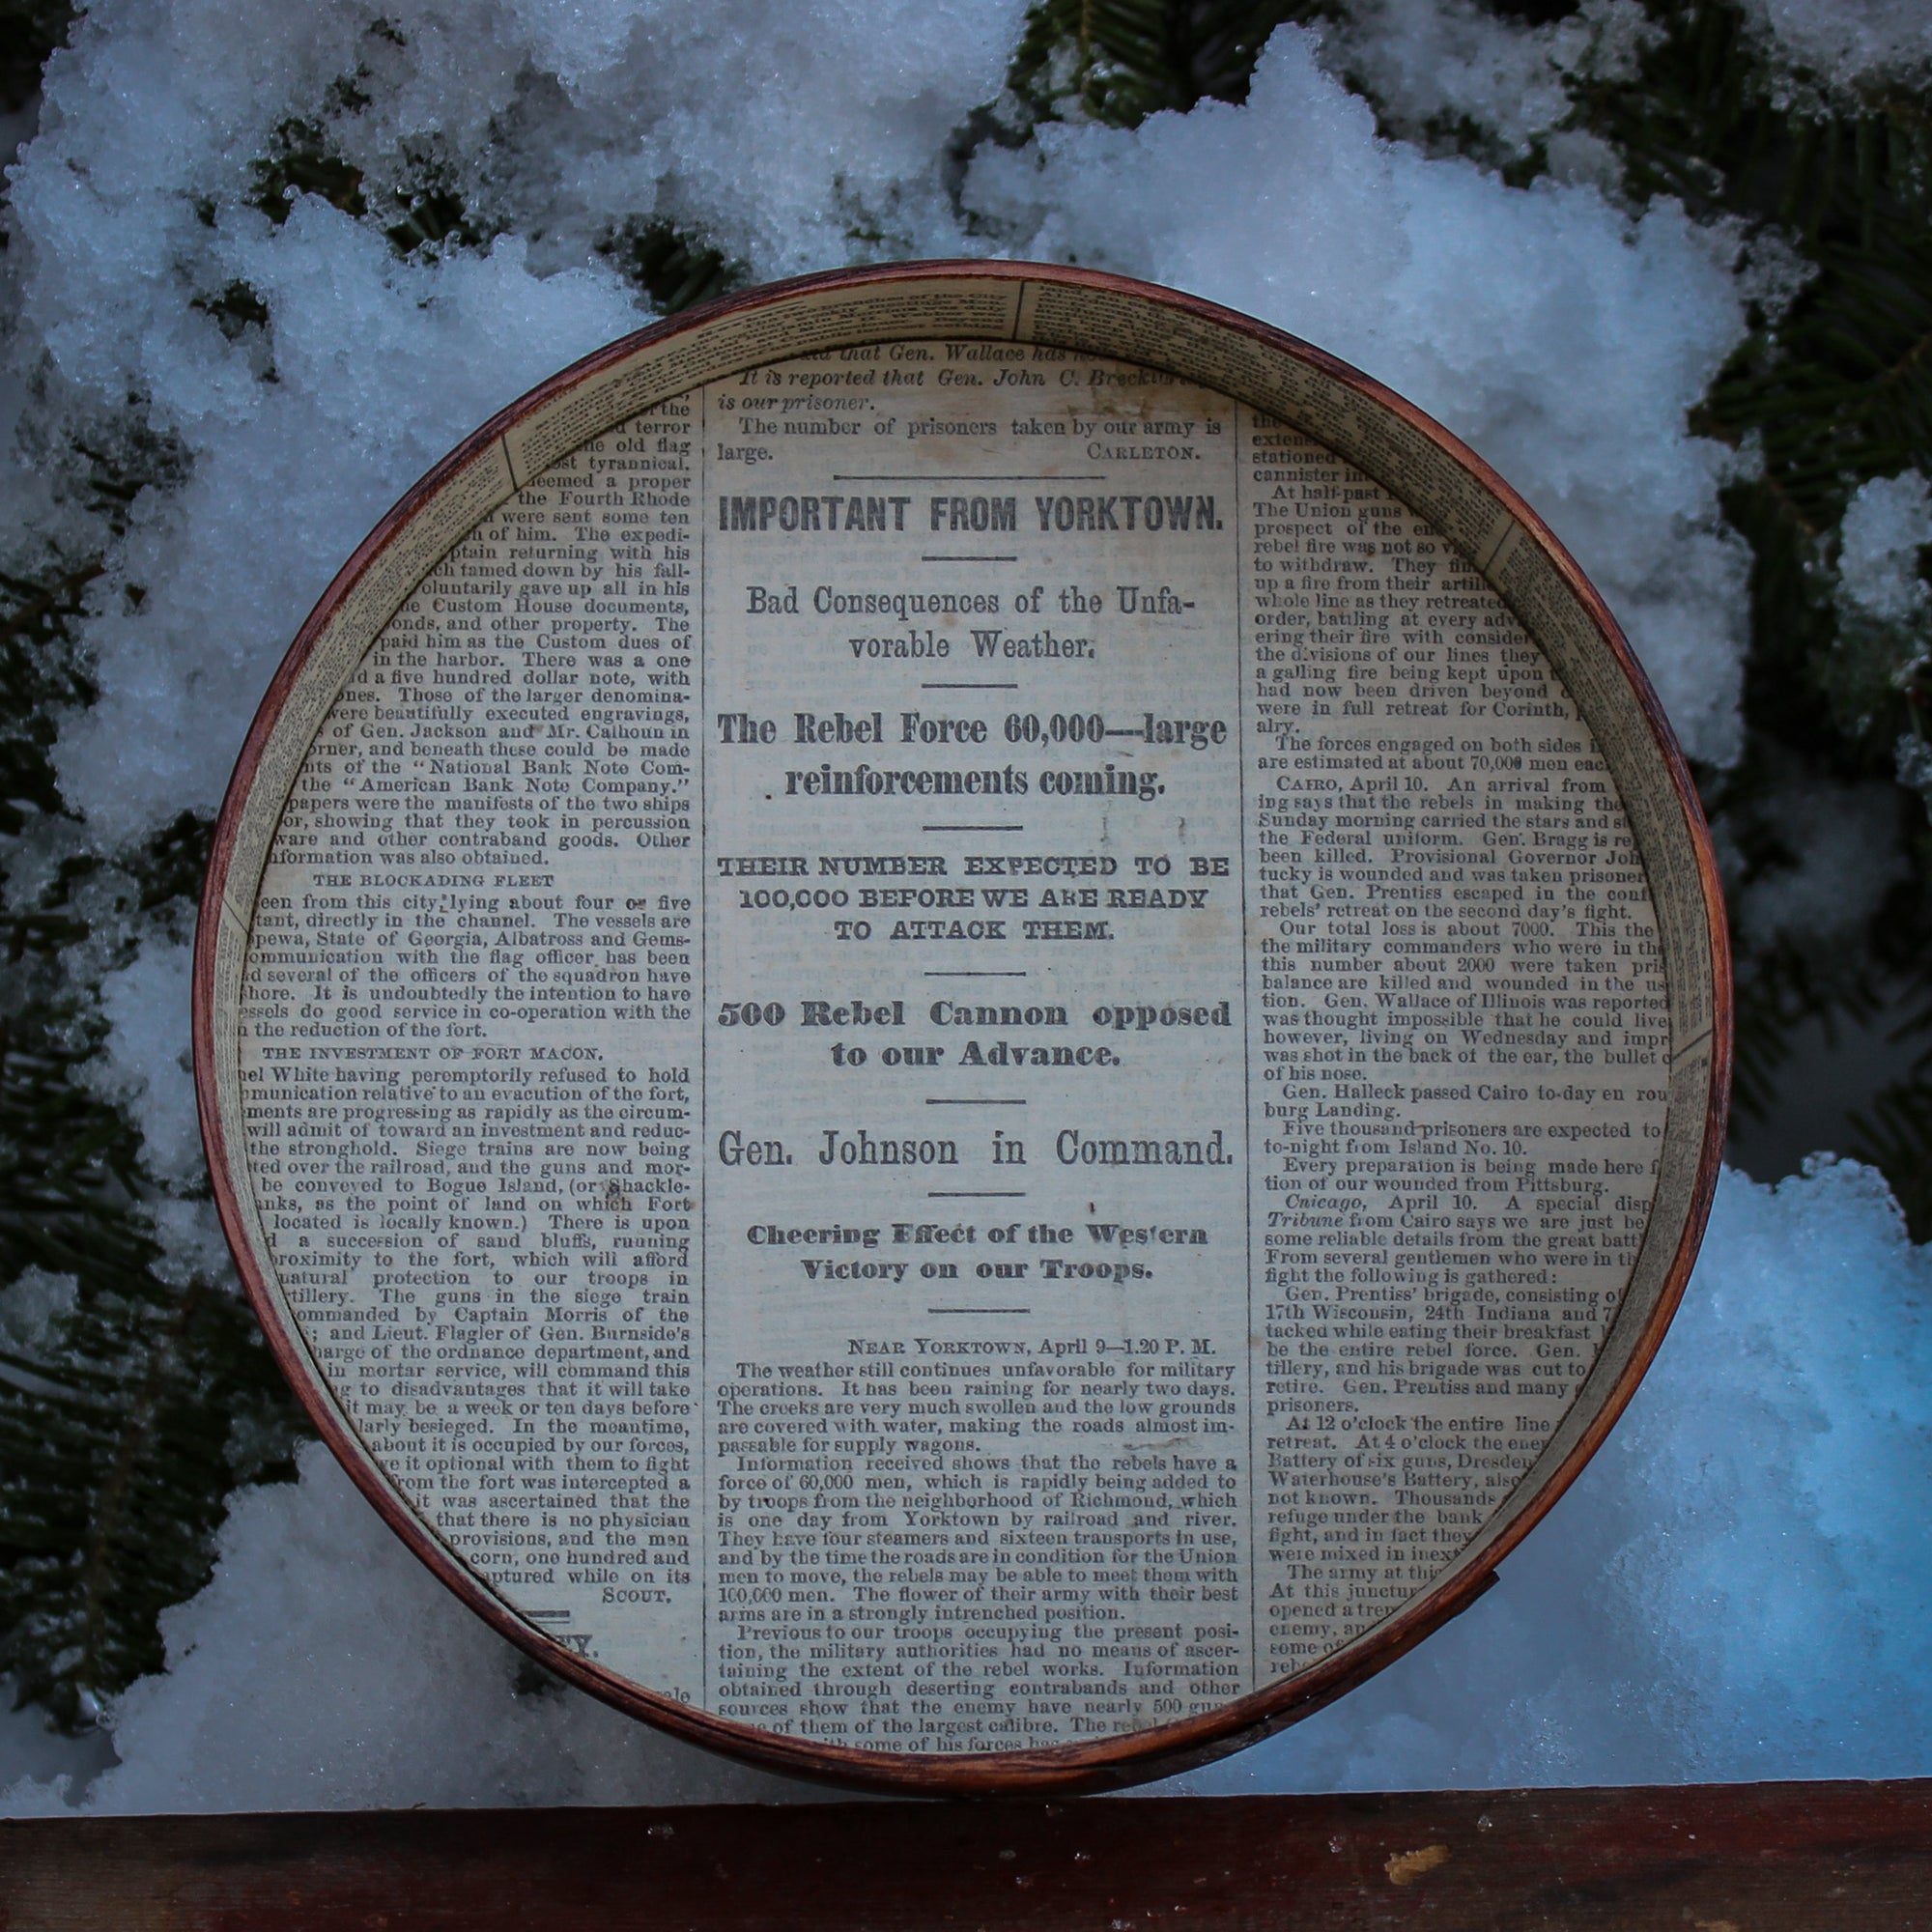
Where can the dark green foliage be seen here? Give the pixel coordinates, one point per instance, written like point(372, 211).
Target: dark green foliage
point(300, 163)
point(34, 679)
point(425, 208)
point(236, 309)
point(675, 270)
point(1834, 392)
point(1122, 60)
point(429, 212)
point(1896, 1135)
point(123, 1428)
point(122, 1432)
point(30, 30)
point(120, 1439)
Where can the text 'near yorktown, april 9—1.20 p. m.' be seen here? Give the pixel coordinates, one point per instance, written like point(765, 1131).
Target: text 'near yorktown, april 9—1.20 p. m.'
point(952, 1046)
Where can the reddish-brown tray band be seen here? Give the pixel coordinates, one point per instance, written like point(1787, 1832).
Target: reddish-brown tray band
point(1263, 369)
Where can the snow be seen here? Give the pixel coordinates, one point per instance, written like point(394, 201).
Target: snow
point(1431, 62)
point(1880, 595)
point(325, 1668)
point(30, 1308)
point(1846, 41)
point(381, 364)
point(131, 205)
point(146, 1065)
point(1560, 338)
point(1737, 1587)
point(1887, 524)
point(1843, 858)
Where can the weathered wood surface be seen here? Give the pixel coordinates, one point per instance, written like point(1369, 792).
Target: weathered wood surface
point(1765, 1858)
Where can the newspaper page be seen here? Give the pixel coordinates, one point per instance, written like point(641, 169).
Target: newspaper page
point(952, 1048)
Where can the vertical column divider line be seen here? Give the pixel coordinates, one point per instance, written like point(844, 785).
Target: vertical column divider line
point(699, 689)
point(1241, 630)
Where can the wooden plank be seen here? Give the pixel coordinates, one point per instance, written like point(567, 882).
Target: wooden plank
point(1764, 1858)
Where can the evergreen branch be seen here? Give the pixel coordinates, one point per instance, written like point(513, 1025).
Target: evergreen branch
point(1896, 1136)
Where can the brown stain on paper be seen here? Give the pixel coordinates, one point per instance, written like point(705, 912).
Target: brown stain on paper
point(1405, 1867)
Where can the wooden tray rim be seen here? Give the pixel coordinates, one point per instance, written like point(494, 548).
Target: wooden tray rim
point(1123, 1758)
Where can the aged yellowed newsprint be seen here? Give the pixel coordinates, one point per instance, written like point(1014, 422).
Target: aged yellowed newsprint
point(953, 1047)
